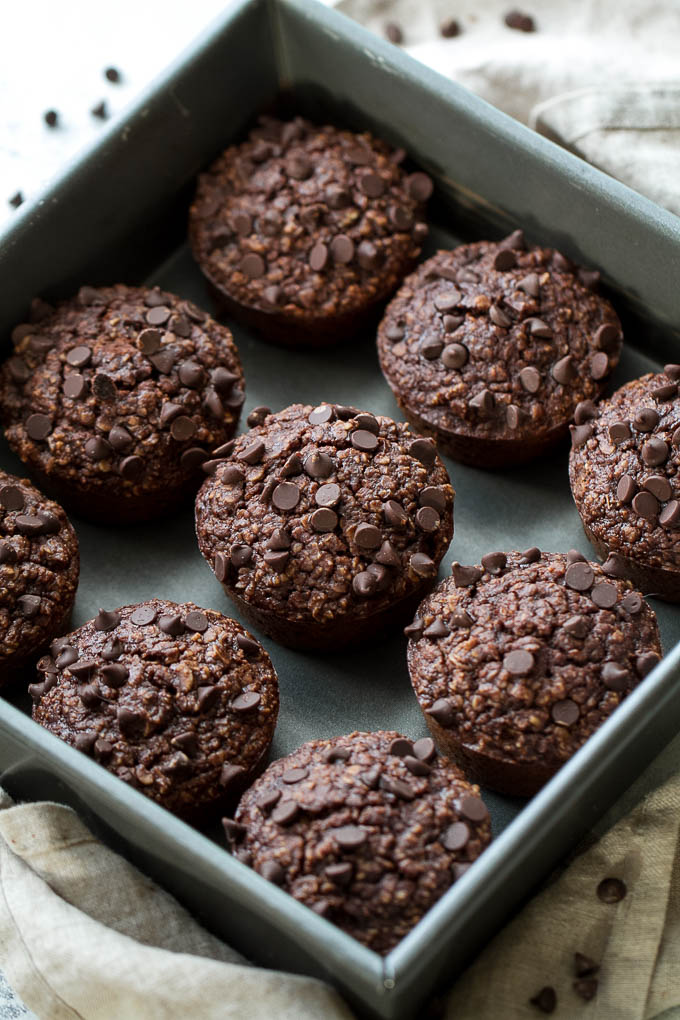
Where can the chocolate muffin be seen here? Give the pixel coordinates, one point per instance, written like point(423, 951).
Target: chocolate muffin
point(303, 230)
point(325, 525)
point(625, 477)
point(369, 830)
point(39, 567)
point(489, 348)
point(517, 661)
point(178, 701)
point(113, 398)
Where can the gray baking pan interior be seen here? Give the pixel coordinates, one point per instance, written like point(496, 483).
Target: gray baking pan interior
point(119, 213)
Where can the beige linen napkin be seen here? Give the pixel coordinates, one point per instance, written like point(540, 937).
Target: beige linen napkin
point(601, 77)
point(84, 935)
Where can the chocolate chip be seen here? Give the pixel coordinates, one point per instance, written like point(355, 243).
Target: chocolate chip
point(645, 663)
point(518, 662)
point(394, 33)
point(113, 650)
point(579, 576)
point(655, 452)
point(437, 629)
point(419, 186)
point(339, 874)
point(395, 515)
point(495, 562)
point(422, 565)
point(424, 749)
point(103, 387)
point(171, 624)
point(577, 626)
point(614, 676)
point(665, 392)
point(442, 711)
point(131, 468)
point(619, 431)
point(142, 616)
point(191, 374)
point(456, 836)
point(285, 812)
point(606, 337)
point(614, 566)
point(114, 674)
point(278, 560)
point(364, 584)
point(431, 348)
point(427, 519)
point(565, 713)
point(11, 497)
point(586, 988)
point(611, 890)
point(580, 434)
point(473, 808)
point(320, 414)
point(564, 371)
point(246, 701)
point(367, 536)
point(499, 317)
point(79, 356)
point(182, 428)
point(584, 966)
point(504, 259)
point(231, 774)
point(286, 496)
point(514, 416)
point(424, 451)
point(84, 742)
point(670, 515)
point(464, 576)
point(604, 595)
point(646, 419)
point(98, 448)
point(364, 441)
point(252, 453)
point(454, 356)
point(119, 438)
point(530, 379)
point(397, 787)
point(38, 427)
point(207, 697)
point(253, 266)
point(105, 620)
point(626, 489)
point(434, 496)
point(484, 402)
point(659, 486)
point(90, 696)
point(196, 621)
point(74, 386)
point(318, 257)
point(294, 775)
point(29, 524)
point(646, 505)
point(546, 999)
point(7, 553)
point(334, 754)
point(241, 555)
point(599, 365)
point(279, 539)
point(414, 630)
point(248, 646)
point(328, 495)
point(29, 605)
point(163, 361)
point(585, 411)
point(530, 285)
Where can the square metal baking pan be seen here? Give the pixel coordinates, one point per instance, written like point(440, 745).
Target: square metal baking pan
point(119, 213)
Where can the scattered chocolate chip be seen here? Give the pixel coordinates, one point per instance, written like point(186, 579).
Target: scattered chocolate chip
point(585, 411)
point(483, 402)
point(611, 890)
point(454, 356)
point(285, 812)
point(604, 595)
point(253, 266)
point(518, 662)
point(665, 392)
point(456, 836)
point(364, 441)
point(328, 495)
point(171, 624)
point(545, 1000)
point(132, 468)
point(248, 646)
point(98, 448)
point(499, 317)
point(163, 361)
point(420, 186)
point(286, 496)
point(29, 605)
point(230, 774)
point(252, 453)
point(414, 630)
point(586, 988)
point(565, 713)
point(614, 566)
point(320, 414)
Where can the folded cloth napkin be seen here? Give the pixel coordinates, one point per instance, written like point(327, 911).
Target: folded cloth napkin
point(84, 935)
point(601, 77)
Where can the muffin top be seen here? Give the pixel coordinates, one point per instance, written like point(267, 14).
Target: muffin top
point(179, 701)
point(39, 565)
point(624, 468)
point(498, 340)
point(525, 655)
point(120, 389)
point(308, 221)
point(324, 512)
point(368, 830)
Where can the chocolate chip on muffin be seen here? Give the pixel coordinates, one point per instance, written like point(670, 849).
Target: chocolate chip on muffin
point(623, 468)
point(114, 399)
point(326, 524)
point(304, 230)
point(516, 662)
point(490, 347)
point(178, 701)
point(39, 568)
point(369, 830)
